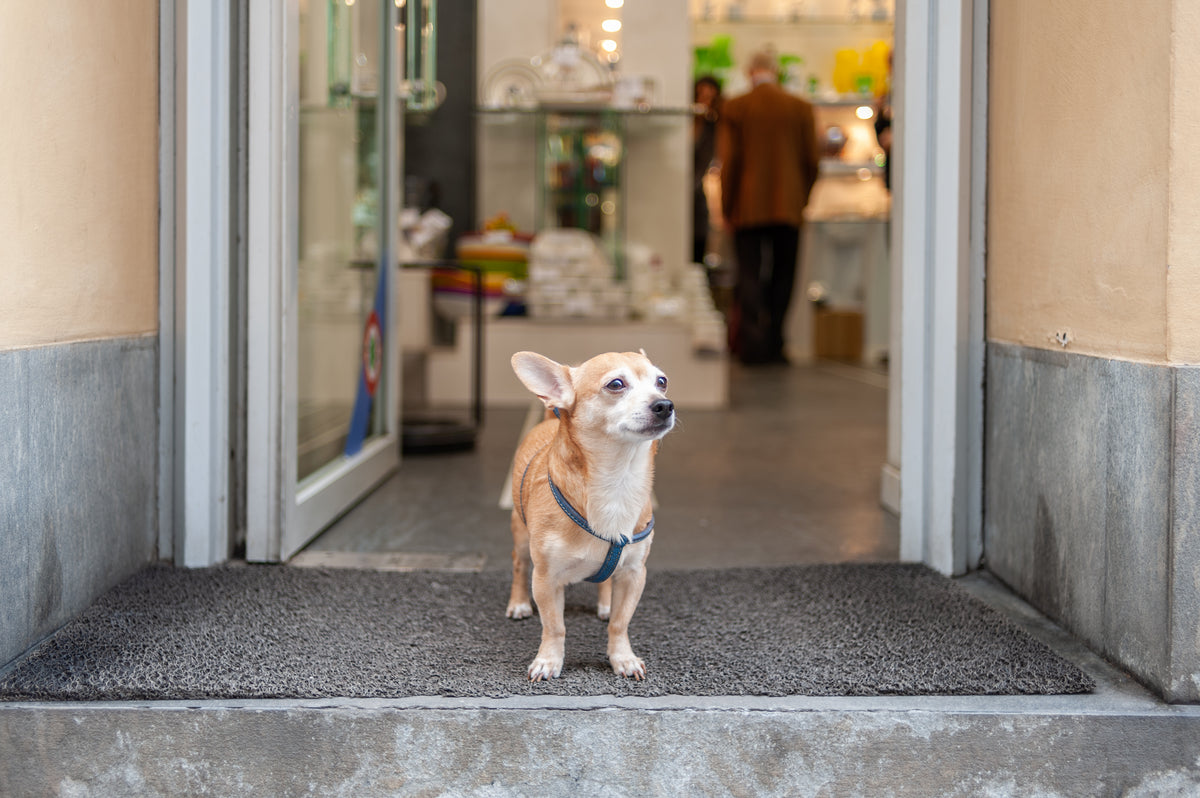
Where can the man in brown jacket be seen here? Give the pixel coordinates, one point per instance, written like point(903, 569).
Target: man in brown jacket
point(769, 155)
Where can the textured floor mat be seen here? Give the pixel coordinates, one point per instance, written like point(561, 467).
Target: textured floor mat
point(278, 631)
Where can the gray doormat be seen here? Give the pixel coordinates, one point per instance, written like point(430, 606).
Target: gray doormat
point(282, 632)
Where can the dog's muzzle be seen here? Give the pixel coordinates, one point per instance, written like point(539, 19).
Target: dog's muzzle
point(662, 409)
point(662, 414)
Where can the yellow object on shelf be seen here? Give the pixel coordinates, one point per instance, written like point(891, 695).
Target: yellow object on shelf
point(863, 73)
point(847, 65)
point(875, 64)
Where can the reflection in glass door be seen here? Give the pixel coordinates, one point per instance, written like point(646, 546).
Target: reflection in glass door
point(324, 176)
point(339, 279)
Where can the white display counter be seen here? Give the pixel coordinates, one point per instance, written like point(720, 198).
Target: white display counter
point(697, 380)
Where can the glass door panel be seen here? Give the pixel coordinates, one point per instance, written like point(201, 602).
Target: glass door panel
point(339, 234)
point(324, 167)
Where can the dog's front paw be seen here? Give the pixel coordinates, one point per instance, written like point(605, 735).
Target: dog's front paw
point(519, 611)
point(545, 668)
point(628, 665)
point(603, 611)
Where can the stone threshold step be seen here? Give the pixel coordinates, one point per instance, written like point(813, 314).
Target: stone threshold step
point(681, 746)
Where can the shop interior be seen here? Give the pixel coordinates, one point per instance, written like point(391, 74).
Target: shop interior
point(548, 205)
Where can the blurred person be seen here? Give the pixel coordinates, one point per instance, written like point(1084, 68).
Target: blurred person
point(706, 110)
point(883, 128)
point(769, 153)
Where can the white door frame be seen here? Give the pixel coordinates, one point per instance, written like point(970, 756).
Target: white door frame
point(281, 516)
point(195, 152)
point(940, 170)
point(168, 80)
point(196, 149)
point(941, 158)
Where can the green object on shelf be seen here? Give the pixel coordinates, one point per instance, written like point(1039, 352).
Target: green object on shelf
point(721, 47)
point(713, 59)
point(786, 62)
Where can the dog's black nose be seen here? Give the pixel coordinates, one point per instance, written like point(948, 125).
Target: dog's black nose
point(663, 408)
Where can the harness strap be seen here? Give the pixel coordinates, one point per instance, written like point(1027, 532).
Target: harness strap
point(615, 548)
point(521, 492)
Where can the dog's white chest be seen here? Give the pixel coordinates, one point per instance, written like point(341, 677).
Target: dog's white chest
point(616, 498)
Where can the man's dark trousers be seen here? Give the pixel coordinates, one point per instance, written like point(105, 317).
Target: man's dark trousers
point(766, 257)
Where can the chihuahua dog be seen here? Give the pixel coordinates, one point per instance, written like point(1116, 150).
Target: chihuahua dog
point(581, 487)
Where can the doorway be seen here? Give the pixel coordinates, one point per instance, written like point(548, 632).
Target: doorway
point(938, 322)
point(788, 465)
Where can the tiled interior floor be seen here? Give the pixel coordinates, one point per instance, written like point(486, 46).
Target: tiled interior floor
point(788, 474)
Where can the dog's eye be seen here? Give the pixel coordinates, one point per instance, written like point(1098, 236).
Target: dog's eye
point(616, 385)
point(661, 382)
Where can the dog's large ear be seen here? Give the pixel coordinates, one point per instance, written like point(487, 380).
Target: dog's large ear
point(549, 380)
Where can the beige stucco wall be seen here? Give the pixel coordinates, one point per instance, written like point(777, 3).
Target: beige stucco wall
point(1092, 114)
point(1183, 249)
point(79, 170)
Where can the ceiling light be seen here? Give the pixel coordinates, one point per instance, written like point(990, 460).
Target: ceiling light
point(865, 112)
point(614, 3)
point(611, 25)
point(608, 45)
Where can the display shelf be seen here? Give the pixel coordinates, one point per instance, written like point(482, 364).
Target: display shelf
point(810, 46)
point(818, 20)
point(840, 100)
point(581, 108)
point(837, 168)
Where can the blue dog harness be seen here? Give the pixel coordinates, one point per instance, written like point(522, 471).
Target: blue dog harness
point(615, 548)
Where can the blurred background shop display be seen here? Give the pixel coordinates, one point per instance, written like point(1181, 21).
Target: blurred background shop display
point(837, 55)
point(577, 115)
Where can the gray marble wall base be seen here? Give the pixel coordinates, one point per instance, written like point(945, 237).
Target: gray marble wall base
point(1092, 503)
point(78, 496)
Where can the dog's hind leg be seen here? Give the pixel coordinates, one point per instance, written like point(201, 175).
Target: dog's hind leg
point(519, 605)
point(604, 599)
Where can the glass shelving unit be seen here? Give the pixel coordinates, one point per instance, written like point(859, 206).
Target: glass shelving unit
point(580, 156)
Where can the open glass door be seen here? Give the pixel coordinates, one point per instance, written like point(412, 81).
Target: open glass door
point(324, 136)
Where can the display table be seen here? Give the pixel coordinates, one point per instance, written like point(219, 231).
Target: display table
point(850, 260)
point(697, 380)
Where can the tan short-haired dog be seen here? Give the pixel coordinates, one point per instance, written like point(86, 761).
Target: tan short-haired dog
point(581, 485)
